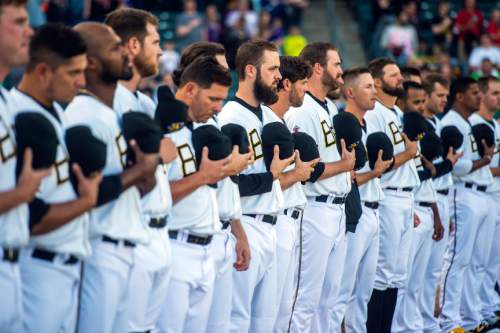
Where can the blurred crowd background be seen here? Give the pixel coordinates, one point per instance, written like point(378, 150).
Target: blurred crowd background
point(453, 37)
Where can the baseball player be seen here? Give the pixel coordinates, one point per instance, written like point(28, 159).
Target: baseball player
point(411, 74)
point(150, 273)
point(362, 245)
point(486, 261)
point(14, 195)
point(254, 291)
point(323, 229)
point(291, 91)
point(117, 225)
point(396, 208)
point(472, 176)
point(50, 264)
point(195, 216)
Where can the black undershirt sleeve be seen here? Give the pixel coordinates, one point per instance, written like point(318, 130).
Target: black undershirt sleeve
point(110, 189)
point(37, 210)
point(443, 168)
point(254, 184)
point(318, 171)
point(424, 175)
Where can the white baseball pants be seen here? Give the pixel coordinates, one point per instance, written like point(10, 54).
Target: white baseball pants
point(10, 289)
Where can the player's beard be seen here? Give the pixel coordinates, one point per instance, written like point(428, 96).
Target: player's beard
point(329, 81)
point(333, 94)
point(393, 91)
point(144, 67)
point(263, 93)
point(110, 74)
point(294, 99)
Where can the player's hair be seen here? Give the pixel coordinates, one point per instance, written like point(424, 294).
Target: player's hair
point(460, 85)
point(54, 44)
point(293, 69)
point(407, 85)
point(484, 83)
point(131, 22)
point(15, 3)
point(409, 71)
point(376, 66)
point(194, 51)
point(251, 53)
point(315, 53)
point(352, 74)
point(429, 82)
point(205, 71)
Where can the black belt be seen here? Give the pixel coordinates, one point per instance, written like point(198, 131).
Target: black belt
point(481, 188)
point(225, 224)
point(443, 192)
point(50, 256)
point(116, 241)
point(193, 239)
point(157, 222)
point(295, 213)
point(271, 219)
point(10, 254)
point(372, 205)
point(425, 204)
point(404, 189)
point(335, 201)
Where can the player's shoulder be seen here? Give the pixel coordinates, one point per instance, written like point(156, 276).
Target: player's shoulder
point(476, 119)
point(269, 115)
point(147, 104)
point(87, 108)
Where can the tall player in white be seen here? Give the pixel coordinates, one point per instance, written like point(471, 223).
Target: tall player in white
point(117, 225)
point(472, 176)
point(396, 208)
point(324, 241)
point(362, 245)
point(14, 196)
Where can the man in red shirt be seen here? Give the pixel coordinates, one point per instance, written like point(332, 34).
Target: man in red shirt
point(468, 24)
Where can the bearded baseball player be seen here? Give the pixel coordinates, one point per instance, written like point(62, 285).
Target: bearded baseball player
point(254, 290)
point(396, 208)
point(150, 273)
point(485, 254)
point(472, 176)
point(323, 243)
point(291, 91)
point(14, 196)
point(362, 245)
point(117, 225)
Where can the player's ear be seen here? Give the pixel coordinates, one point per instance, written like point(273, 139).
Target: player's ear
point(378, 82)
point(133, 46)
point(250, 71)
point(287, 85)
point(191, 89)
point(317, 69)
point(44, 72)
point(92, 63)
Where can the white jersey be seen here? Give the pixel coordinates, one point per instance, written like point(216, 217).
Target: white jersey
point(495, 160)
point(158, 202)
point(424, 192)
point(238, 112)
point(462, 169)
point(71, 238)
point(388, 121)
point(197, 211)
point(293, 196)
point(14, 231)
point(121, 218)
point(314, 119)
point(371, 191)
point(446, 181)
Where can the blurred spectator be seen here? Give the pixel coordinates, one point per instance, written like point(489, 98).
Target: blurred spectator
point(442, 25)
point(233, 37)
point(289, 11)
point(213, 27)
point(494, 27)
point(468, 26)
point(485, 50)
point(487, 68)
point(399, 39)
point(96, 10)
point(294, 42)
point(382, 8)
point(189, 25)
point(277, 32)
point(411, 9)
point(264, 31)
point(250, 17)
point(36, 15)
point(170, 58)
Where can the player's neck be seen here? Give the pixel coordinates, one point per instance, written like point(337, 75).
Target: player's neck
point(31, 87)
point(317, 89)
point(281, 106)
point(387, 100)
point(245, 92)
point(4, 71)
point(359, 113)
point(180, 95)
point(460, 109)
point(485, 113)
point(105, 92)
point(427, 113)
point(133, 83)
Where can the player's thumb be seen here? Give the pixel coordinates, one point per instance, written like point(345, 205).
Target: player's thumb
point(204, 153)
point(276, 152)
point(297, 156)
point(380, 152)
point(77, 171)
point(28, 158)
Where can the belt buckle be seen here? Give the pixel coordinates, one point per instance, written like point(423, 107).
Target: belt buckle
point(9, 254)
point(295, 214)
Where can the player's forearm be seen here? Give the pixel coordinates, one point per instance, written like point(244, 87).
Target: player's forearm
point(132, 176)
point(401, 159)
point(334, 168)
point(364, 177)
point(146, 185)
point(237, 229)
point(60, 214)
point(287, 179)
point(495, 172)
point(185, 186)
point(477, 164)
point(11, 199)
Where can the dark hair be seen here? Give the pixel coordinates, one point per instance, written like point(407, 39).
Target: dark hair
point(484, 82)
point(315, 53)
point(460, 85)
point(407, 85)
point(409, 71)
point(251, 53)
point(194, 51)
point(15, 3)
point(130, 22)
point(353, 73)
point(205, 71)
point(429, 82)
point(293, 69)
point(376, 66)
point(54, 44)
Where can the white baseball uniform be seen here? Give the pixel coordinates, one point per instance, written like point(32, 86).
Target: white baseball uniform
point(254, 305)
point(323, 224)
point(193, 222)
point(468, 214)
point(14, 231)
point(116, 227)
point(50, 263)
point(150, 273)
point(361, 260)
